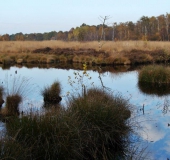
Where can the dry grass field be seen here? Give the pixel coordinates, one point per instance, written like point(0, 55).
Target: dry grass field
point(119, 52)
point(109, 46)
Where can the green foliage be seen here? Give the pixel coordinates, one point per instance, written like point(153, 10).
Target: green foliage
point(155, 74)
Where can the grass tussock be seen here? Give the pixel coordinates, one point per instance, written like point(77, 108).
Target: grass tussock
point(1, 96)
point(14, 90)
point(155, 74)
point(94, 126)
point(1, 91)
point(12, 105)
point(51, 94)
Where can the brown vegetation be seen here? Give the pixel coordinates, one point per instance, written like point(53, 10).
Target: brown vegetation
point(120, 52)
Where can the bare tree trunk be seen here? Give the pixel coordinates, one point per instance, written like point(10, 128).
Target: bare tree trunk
point(103, 19)
point(167, 25)
point(145, 33)
point(113, 34)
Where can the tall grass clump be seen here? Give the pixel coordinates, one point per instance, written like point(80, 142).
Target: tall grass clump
point(155, 74)
point(101, 125)
point(92, 126)
point(37, 134)
point(12, 104)
point(1, 96)
point(16, 88)
point(51, 94)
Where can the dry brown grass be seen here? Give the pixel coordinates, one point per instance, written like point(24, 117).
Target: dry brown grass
point(112, 47)
point(120, 52)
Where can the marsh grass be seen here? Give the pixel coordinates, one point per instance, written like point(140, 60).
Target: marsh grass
point(120, 60)
point(16, 88)
point(154, 74)
point(17, 85)
point(94, 126)
point(51, 94)
point(12, 105)
point(120, 52)
point(113, 47)
point(1, 96)
point(154, 89)
point(1, 91)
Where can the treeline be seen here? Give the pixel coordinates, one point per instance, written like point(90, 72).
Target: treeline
point(146, 28)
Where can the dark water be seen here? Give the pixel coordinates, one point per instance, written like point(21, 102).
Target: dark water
point(151, 106)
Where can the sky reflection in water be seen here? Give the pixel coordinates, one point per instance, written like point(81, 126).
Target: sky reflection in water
point(154, 122)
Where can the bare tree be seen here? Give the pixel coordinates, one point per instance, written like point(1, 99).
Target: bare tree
point(167, 25)
point(103, 20)
point(113, 33)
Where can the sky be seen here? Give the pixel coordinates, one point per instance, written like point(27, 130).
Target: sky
point(39, 16)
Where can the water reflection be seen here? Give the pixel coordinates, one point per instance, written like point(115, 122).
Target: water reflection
point(75, 66)
point(155, 122)
point(154, 89)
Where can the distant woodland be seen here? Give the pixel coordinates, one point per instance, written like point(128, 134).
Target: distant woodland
point(146, 28)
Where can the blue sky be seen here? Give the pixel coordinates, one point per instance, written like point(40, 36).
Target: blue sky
point(39, 16)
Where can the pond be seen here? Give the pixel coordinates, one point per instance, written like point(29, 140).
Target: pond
point(151, 109)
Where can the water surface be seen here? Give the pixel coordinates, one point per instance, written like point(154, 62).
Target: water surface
point(154, 119)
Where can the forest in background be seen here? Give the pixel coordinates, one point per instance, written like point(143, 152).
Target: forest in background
point(146, 28)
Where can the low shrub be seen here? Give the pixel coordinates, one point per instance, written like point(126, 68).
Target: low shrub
point(156, 74)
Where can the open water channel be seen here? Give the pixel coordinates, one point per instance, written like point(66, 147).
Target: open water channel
point(150, 106)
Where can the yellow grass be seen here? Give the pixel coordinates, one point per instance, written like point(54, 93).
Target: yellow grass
point(111, 47)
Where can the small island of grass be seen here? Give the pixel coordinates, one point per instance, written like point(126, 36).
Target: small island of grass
point(155, 74)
